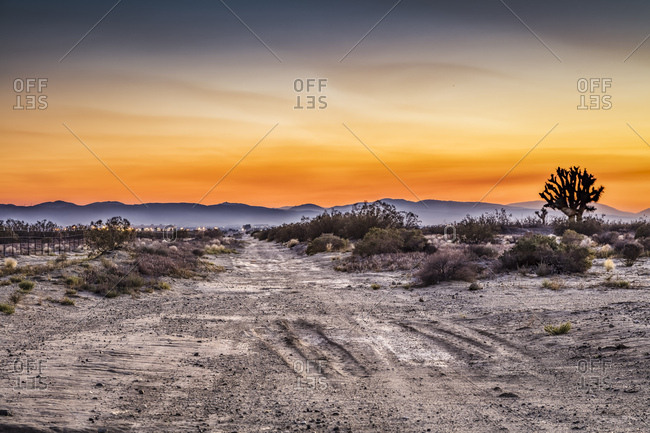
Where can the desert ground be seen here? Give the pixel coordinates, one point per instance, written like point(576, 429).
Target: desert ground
point(283, 342)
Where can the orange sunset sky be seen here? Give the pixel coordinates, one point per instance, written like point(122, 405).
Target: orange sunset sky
point(170, 98)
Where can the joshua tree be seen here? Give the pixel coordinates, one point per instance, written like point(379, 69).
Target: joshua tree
point(571, 191)
point(541, 214)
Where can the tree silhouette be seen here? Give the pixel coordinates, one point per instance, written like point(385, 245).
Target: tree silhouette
point(570, 191)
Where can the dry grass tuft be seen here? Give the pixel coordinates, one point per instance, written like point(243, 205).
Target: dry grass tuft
point(558, 330)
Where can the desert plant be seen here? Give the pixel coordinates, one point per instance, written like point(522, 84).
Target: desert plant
point(535, 250)
point(292, 243)
point(375, 286)
point(72, 280)
point(483, 251)
point(381, 262)
point(66, 301)
point(26, 285)
point(482, 229)
point(571, 191)
point(16, 296)
point(161, 285)
point(353, 224)
point(642, 231)
point(10, 263)
point(558, 330)
point(551, 284)
point(447, 265)
point(475, 286)
point(216, 249)
point(7, 308)
point(15, 279)
point(604, 251)
point(609, 265)
point(606, 238)
point(542, 214)
point(572, 238)
point(631, 252)
point(390, 240)
point(325, 243)
point(530, 250)
point(109, 236)
point(618, 284)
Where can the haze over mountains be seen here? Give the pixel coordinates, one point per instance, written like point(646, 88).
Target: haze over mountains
point(236, 214)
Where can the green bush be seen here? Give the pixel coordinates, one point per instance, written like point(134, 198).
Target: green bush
point(530, 250)
point(383, 241)
point(353, 224)
point(558, 330)
point(642, 232)
point(326, 242)
point(26, 285)
point(7, 309)
point(544, 254)
point(110, 236)
point(588, 226)
point(482, 229)
point(572, 238)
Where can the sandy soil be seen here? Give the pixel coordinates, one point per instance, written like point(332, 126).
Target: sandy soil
point(281, 342)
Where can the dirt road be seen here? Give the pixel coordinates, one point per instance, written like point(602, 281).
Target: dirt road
point(281, 342)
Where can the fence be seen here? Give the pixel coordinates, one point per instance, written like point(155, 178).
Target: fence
point(27, 243)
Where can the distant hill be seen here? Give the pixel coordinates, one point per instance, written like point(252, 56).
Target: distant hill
point(237, 214)
point(609, 211)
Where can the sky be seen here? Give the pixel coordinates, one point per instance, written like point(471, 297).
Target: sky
point(167, 101)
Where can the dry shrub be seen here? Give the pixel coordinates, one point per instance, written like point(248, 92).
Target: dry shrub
point(390, 240)
point(606, 238)
point(447, 265)
point(483, 251)
point(10, 263)
point(327, 242)
point(558, 330)
point(572, 238)
point(544, 254)
point(7, 309)
point(382, 262)
point(631, 251)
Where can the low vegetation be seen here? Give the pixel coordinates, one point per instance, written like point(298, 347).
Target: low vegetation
point(26, 285)
point(327, 242)
point(447, 265)
point(539, 251)
point(390, 240)
point(558, 330)
point(7, 308)
point(351, 225)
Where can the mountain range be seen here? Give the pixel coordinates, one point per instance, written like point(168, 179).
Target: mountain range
point(237, 214)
